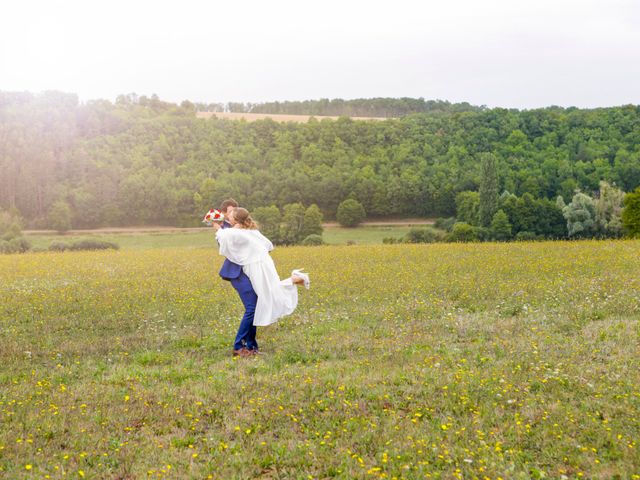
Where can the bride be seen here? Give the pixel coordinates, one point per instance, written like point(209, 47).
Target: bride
point(245, 245)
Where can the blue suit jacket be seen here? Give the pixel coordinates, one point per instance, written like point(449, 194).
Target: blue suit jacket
point(229, 271)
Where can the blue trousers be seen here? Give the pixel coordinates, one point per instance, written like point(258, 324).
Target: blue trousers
point(246, 336)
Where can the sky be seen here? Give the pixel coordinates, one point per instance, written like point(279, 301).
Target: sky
point(499, 53)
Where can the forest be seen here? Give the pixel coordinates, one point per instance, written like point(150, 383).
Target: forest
point(361, 107)
point(143, 161)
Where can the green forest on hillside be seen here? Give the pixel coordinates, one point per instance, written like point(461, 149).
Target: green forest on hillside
point(360, 107)
point(144, 161)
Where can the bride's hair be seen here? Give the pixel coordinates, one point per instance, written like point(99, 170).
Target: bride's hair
point(242, 217)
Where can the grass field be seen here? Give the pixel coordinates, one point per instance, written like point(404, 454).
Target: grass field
point(206, 238)
point(403, 361)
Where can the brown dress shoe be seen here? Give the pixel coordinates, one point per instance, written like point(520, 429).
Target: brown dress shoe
point(241, 352)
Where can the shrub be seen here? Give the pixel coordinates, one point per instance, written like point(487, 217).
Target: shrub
point(445, 223)
point(313, 239)
point(91, 244)
point(391, 240)
point(463, 232)
point(483, 234)
point(58, 247)
point(21, 244)
point(526, 236)
point(88, 244)
point(15, 245)
point(350, 213)
point(13, 231)
point(424, 235)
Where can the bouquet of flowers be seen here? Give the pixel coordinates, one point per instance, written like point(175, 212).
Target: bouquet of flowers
point(213, 215)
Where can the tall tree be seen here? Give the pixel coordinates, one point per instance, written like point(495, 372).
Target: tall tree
point(350, 213)
point(268, 219)
point(292, 224)
point(609, 207)
point(631, 213)
point(60, 216)
point(500, 226)
point(488, 189)
point(467, 206)
point(312, 224)
point(580, 215)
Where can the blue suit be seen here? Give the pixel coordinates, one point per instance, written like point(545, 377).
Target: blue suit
point(246, 336)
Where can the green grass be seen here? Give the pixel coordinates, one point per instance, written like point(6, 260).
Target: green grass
point(403, 361)
point(362, 235)
point(143, 240)
point(206, 238)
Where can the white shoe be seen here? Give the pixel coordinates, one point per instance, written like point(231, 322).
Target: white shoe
point(304, 276)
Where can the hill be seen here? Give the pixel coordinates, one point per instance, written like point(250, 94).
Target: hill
point(142, 161)
point(252, 117)
point(360, 107)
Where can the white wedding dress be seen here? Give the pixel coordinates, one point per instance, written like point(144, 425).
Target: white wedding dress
point(249, 248)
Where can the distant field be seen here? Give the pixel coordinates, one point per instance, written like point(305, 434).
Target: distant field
point(363, 235)
point(201, 238)
point(451, 361)
point(252, 117)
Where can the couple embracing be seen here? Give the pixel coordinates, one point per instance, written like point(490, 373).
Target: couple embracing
point(252, 273)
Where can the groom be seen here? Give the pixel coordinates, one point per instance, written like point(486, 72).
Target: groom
point(245, 344)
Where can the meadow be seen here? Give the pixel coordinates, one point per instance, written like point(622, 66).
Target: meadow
point(201, 238)
point(483, 361)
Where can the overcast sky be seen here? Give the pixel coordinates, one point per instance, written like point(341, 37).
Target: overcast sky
point(510, 53)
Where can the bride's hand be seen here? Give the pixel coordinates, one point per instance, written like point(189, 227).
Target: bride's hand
point(216, 225)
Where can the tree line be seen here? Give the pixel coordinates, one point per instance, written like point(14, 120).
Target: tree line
point(361, 107)
point(142, 161)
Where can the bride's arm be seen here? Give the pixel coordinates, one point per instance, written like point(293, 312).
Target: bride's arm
point(233, 245)
point(265, 241)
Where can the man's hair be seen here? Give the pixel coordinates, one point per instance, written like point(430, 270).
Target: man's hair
point(229, 202)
